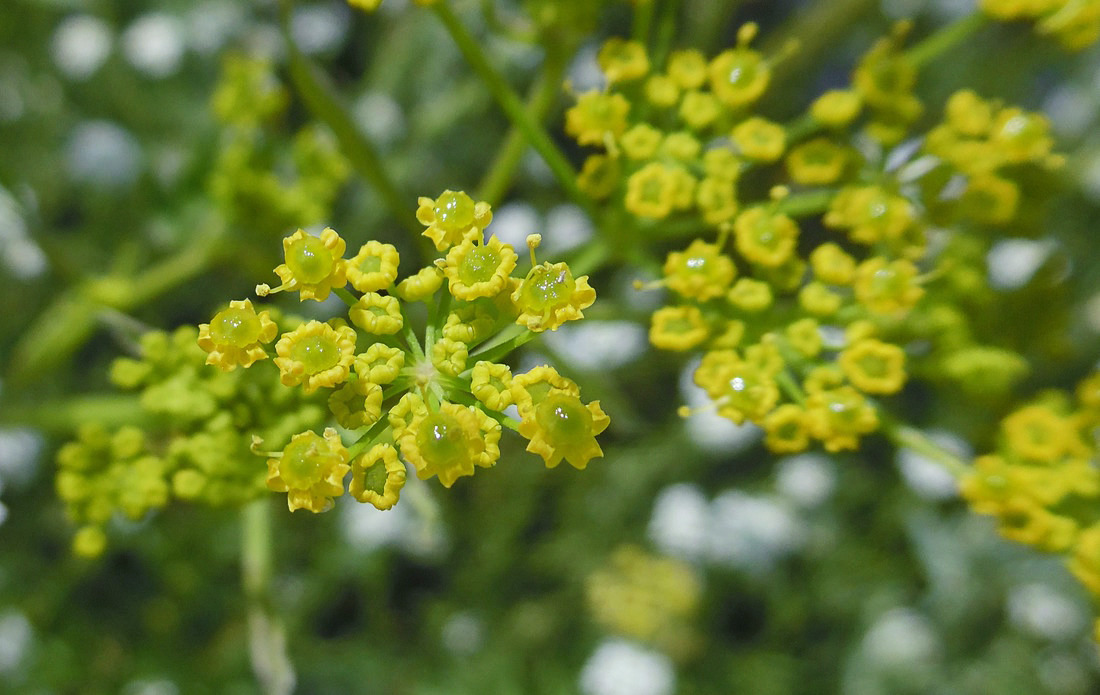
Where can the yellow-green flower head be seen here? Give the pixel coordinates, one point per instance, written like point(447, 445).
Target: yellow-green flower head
point(741, 389)
point(688, 68)
point(817, 162)
point(622, 60)
point(549, 296)
point(651, 191)
point(717, 200)
point(491, 383)
point(870, 214)
point(832, 264)
point(836, 108)
point(701, 271)
point(804, 335)
point(662, 91)
point(596, 117)
point(236, 335)
point(311, 470)
point(479, 270)
point(599, 175)
point(678, 328)
point(785, 430)
point(764, 237)
point(449, 356)
point(680, 145)
point(380, 364)
point(885, 79)
point(641, 141)
point(315, 354)
point(874, 366)
point(759, 139)
point(739, 76)
point(1039, 434)
point(989, 199)
point(402, 414)
point(422, 285)
point(377, 477)
point(838, 417)
point(314, 265)
point(377, 313)
point(968, 114)
point(817, 299)
point(1020, 136)
point(559, 426)
point(750, 295)
point(356, 404)
point(699, 109)
point(529, 388)
point(721, 163)
point(452, 217)
point(887, 287)
point(374, 268)
point(450, 442)
point(1024, 521)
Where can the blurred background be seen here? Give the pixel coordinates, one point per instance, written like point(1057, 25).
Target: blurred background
point(688, 560)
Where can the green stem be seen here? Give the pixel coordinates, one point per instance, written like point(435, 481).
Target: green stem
point(816, 30)
point(495, 352)
point(266, 636)
point(790, 387)
point(367, 439)
point(64, 416)
point(666, 29)
point(498, 178)
point(643, 20)
point(807, 203)
point(410, 336)
point(322, 101)
point(511, 104)
point(346, 296)
point(944, 39)
point(911, 438)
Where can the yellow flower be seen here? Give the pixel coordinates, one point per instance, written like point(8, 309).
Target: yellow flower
point(315, 354)
point(750, 295)
point(817, 162)
point(874, 366)
point(380, 364)
point(622, 60)
point(817, 299)
point(990, 199)
point(740, 75)
point(677, 328)
point(422, 285)
point(374, 268)
point(651, 191)
point(599, 175)
point(377, 314)
point(700, 271)
point(450, 442)
point(641, 141)
point(785, 430)
point(765, 238)
point(491, 383)
point(870, 214)
point(688, 68)
point(721, 163)
point(740, 388)
point(597, 116)
point(356, 404)
point(479, 270)
point(839, 417)
point(716, 199)
point(452, 217)
point(661, 91)
point(832, 264)
point(836, 108)
point(760, 139)
point(377, 477)
point(887, 287)
point(531, 386)
point(449, 356)
point(549, 296)
point(404, 412)
point(314, 265)
point(804, 335)
point(1037, 433)
point(699, 109)
point(681, 145)
point(235, 336)
point(310, 470)
point(559, 426)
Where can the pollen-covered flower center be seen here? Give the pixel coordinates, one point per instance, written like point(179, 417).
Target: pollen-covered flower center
point(479, 265)
point(442, 440)
point(309, 260)
point(235, 326)
point(564, 418)
point(548, 287)
point(316, 353)
point(454, 211)
point(300, 467)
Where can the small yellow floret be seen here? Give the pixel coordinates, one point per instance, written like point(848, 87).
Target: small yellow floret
point(452, 217)
point(549, 296)
point(315, 354)
point(314, 265)
point(378, 314)
point(377, 477)
point(479, 270)
point(450, 442)
point(374, 268)
point(236, 335)
point(310, 470)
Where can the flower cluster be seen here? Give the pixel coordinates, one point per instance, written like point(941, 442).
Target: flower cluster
point(1042, 483)
point(193, 442)
point(804, 336)
point(1075, 23)
point(438, 402)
